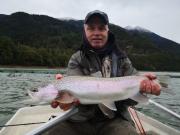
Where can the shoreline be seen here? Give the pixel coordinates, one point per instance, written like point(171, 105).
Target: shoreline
point(52, 70)
point(14, 67)
point(32, 69)
point(29, 67)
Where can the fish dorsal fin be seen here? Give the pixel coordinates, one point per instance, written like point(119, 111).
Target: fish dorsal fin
point(110, 105)
point(165, 82)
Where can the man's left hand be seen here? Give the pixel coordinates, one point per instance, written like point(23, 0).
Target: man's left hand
point(150, 85)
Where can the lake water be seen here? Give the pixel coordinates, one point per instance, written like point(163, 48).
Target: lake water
point(14, 84)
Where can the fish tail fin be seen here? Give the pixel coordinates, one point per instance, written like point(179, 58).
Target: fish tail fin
point(165, 82)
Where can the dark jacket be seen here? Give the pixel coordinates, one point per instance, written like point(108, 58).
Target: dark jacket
point(90, 62)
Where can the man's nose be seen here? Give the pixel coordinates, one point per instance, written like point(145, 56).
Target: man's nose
point(96, 32)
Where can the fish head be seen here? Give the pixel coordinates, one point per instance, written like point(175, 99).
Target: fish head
point(43, 94)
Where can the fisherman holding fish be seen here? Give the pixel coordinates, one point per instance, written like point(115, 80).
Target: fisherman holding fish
point(99, 56)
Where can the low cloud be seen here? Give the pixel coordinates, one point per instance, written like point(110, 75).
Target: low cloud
point(159, 16)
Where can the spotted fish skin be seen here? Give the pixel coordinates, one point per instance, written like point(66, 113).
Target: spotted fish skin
point(89, 90)
point(93, 90)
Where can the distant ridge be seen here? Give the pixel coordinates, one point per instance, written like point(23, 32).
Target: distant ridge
point(160, 42)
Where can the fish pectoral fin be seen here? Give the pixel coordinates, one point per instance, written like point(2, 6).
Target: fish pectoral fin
point(65, 97)
point(110, 105)
point(108, 112)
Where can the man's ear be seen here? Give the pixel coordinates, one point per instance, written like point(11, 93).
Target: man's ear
point(107, 28)
point(85, 25)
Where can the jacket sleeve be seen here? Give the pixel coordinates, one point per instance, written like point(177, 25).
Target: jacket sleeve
point(74, 67)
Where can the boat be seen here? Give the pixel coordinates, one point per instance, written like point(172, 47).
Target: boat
point(30, 118)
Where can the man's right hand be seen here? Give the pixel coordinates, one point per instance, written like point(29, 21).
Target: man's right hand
point(64, 107)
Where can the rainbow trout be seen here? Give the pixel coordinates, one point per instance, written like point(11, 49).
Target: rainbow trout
point(91, 90)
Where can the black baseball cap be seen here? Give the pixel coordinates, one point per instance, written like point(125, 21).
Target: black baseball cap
point(98, 13)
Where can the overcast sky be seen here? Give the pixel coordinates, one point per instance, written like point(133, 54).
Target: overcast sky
point(159, 16)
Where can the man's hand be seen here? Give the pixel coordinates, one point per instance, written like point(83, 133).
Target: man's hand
point(150, 85)
point(58, 76)
point(64, 107)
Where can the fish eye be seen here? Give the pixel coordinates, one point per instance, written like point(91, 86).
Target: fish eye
point(34, 90)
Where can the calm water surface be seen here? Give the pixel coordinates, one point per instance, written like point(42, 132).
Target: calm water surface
point(15, 83)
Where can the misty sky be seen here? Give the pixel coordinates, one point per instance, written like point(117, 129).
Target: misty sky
point(159, 16)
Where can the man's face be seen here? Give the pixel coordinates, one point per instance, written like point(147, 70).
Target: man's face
point(96, 32)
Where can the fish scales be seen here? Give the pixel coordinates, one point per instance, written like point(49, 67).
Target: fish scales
point(99, 89)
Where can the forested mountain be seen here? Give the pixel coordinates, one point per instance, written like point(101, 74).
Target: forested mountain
point(160, 42)
point(39, 40)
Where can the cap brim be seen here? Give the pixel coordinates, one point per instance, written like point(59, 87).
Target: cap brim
point(101, 16)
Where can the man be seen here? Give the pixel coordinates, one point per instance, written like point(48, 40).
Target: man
point(99, 56)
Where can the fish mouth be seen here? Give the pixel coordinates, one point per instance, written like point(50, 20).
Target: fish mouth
point(33, 101)
point(30, 93)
